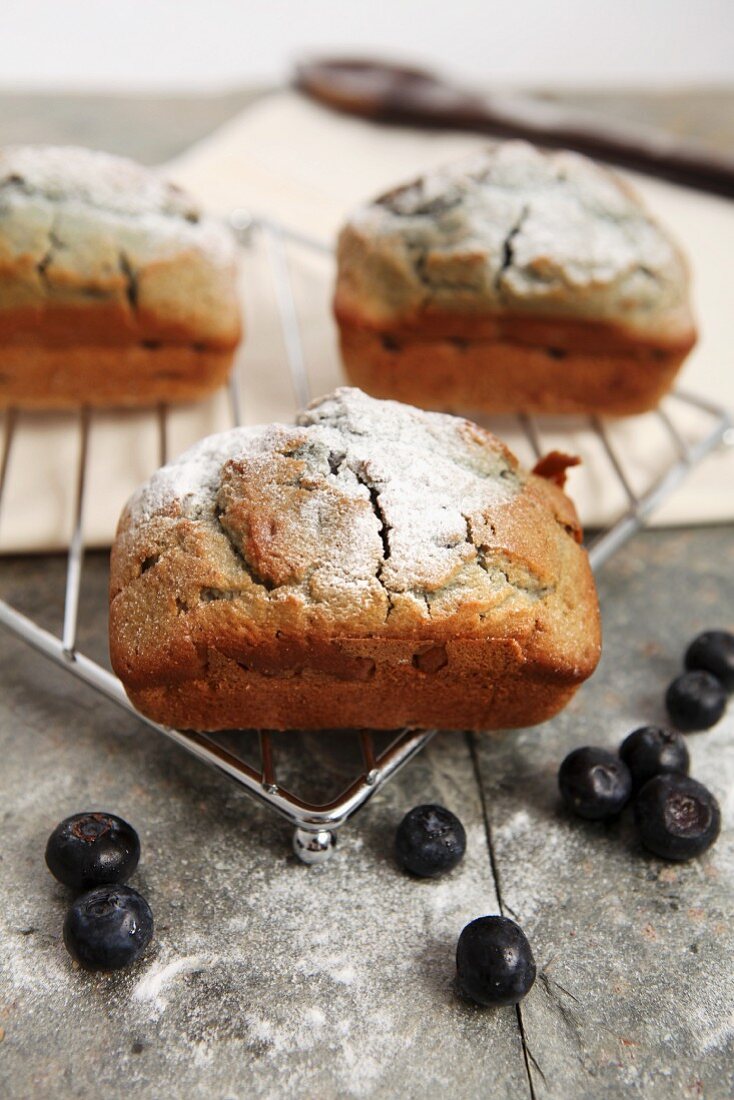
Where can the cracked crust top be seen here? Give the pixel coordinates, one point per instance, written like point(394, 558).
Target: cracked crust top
point(514, 230)
point(368, 519)
point(89, 231)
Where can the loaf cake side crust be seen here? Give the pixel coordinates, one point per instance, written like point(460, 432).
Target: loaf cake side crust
point(98, 251)
point(479, 686)
point(374, 565)
point(504, 376)
point(128, 376)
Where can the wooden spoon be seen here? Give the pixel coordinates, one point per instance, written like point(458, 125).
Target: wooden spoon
point(407, 96)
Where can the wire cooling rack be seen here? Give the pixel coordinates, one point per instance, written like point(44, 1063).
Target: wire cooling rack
point(257, 759)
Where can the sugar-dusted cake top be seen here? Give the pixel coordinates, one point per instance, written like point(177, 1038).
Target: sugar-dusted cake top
point(80, 227)
point(108, 183)
point(359, 489)
point(368, 512)
point(513, 229)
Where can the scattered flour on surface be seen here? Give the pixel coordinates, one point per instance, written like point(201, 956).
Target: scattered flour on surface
point(151, 985)
point(334, 966)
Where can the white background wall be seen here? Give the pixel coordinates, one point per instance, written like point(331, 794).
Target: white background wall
point(163, 44)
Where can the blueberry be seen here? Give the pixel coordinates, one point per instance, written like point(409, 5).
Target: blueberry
point(695, 701)
point(594, 783)
point(652, 751)
point(92, 848)
point(429, 841)
point(108, 927)
point(678, 817)
point(713, 651)
point(494, 962)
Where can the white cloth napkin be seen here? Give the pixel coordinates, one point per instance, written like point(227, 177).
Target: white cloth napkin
point(291, 160)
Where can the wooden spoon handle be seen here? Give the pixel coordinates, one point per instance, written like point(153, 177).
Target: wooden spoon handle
point(406, 96)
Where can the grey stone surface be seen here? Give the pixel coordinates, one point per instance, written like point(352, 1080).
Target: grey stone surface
point(268, 979)
point(637, 988)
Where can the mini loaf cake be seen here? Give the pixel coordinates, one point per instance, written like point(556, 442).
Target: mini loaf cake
point(373, 566)
point(516, 281)
point(114, 288)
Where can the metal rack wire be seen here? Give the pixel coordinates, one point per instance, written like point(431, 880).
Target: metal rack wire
point(315, 822)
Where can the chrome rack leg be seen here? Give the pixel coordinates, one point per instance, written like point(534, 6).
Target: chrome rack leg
point(313, 845)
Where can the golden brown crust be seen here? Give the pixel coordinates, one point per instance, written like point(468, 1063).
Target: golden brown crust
point(257, 584)
point(563, 374)
point(478, 686)
point(106, 376)
point(104, 324)
point(523, 330)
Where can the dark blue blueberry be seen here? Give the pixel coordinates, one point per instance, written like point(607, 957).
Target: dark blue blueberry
point(652, 751)
point(108, 927)
point(429, 840)
point(92, 848)
point(594, 783)
point(695, 701)
point(494, 962)
point(713, 651)
point(678, 817)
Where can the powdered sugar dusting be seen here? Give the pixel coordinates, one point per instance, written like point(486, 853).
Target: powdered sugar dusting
point(516, 228)
point(108, 183)
point(424, 474)
point(365, 490)
point(87, 211)
point(192, 479)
